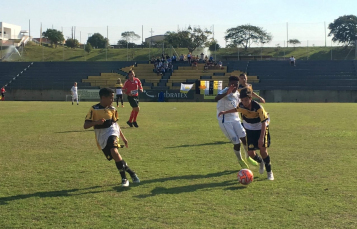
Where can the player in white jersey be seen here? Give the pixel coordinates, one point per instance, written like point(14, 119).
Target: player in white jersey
point(119, 92)
point(74, 92)
point(230, 123)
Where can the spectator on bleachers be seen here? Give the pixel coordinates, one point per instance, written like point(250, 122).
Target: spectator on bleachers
point(189, 58)
point(173, 58)
point(211, 59)
point(194, 64)
point(170, 67)
point(3, 93)
point(167, 57)
point(292, 61)
point(182, 57)
point(206, 58)
point(220, 64)
point(205, 68)
point(202, 57)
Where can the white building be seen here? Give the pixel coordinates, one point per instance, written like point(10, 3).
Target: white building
point(9, 31)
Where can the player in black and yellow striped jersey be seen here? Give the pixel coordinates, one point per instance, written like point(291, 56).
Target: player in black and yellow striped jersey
point(243, 84)
point(103, 118)
point(255, 121)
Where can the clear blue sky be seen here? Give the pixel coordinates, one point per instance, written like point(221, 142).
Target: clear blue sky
point(305, 18)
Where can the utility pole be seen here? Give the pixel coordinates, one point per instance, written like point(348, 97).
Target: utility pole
point(287, 35)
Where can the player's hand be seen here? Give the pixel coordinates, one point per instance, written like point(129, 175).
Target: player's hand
point(230, 89)
point(260, 142)
point(141, 90)
point(221, 113)
point(100, 121)
point(125, 142)
point(262, 100)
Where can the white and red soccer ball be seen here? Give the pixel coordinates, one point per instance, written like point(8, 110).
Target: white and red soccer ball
point(245, 176)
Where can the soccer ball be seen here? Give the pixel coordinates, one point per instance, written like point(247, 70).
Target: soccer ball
point(245, 176)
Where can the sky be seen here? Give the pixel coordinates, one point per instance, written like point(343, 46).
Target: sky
point(305, 20)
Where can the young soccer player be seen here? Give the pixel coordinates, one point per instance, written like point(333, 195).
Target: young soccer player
point(131, 88)
point(3, 93)
point(230, 123)
point(74, 92)
point(103, 117)
point(255, 121)
point(243, 83)
point(119, 92)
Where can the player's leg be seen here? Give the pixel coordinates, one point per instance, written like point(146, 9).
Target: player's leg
point(133, 105)
point(136, 111)
point(72, 99)
point(265, 155)
point(230, 132)
point(252, 143)
point(77, 99)
point(117, 100)
point(121, 100)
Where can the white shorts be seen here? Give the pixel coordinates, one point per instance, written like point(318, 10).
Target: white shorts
point(233, 131)
point(75, 96)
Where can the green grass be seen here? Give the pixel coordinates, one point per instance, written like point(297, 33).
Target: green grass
point(53, 176)
point(39, 53)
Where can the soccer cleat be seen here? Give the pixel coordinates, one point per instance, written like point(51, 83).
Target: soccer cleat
point(129, 123)
point(124, 183)
point(135, 124)
point(122, 105)
point(117, 105)
point(252, 161)
point(261, 167)
point(243, 164)
point(270, 175)
point(135, 178)
point(72, 103)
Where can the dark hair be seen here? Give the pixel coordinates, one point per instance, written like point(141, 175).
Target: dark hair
point(106, 92)
point(245, 92)
point(242, 74)
point(233, 78)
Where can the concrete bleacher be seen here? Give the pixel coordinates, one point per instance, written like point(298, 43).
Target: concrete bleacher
point(306, 75)
point(62, 75)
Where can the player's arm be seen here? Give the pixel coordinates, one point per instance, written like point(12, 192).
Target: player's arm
point(258, 97)
point(90, 123)
point(226, 112)
point(140, 85)
point(262, 134)
point(124, 139)
point(221, 96)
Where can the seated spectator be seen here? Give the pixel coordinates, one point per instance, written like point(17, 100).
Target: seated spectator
point(205, 68)
point(194, 64)
point(170, 67)
point(181, 57)
point(211, 59)
point(206, 58)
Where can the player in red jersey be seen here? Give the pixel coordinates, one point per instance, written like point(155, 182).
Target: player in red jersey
point(131, 88)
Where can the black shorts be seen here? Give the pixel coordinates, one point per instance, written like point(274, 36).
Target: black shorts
point(3, 95)
point(253, 137)
point(113, 142)
point(134, 101)
point(119, 96)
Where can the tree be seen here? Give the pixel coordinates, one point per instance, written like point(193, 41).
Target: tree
point(72, 43)
point(213, 45)
point(124, 44)
point(88, 48)
point(191, 38)
point(294, 42)
point(344, 29)
point(98, 41)
point(54, 36)
point(245, 35)
point(130, 36)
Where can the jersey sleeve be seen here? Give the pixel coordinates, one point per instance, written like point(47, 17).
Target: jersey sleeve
point(140, 86)
point(89, 116)
point(115, 116)
point(263, 115)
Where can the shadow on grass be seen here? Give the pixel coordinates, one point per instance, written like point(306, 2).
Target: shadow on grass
point(202, 144)
point(61, 193)
point(188, 188)
point(72, 131)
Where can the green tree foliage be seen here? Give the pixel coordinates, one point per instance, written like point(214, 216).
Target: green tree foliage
point(191, 38)
point(124, 44)
point(246, 35)
point(344, 29)
point(130, 36)
point(213, 45)
point(98, 41)
point(54, 36)
point(72, 43)
point(88, 48)
point(294, 42)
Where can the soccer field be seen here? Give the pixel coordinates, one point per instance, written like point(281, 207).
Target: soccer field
point(53, 175)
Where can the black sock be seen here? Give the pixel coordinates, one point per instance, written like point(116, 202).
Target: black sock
point(257, 158)
point(267, 164)
point(120, 166)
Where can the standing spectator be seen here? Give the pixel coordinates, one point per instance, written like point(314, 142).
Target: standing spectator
point(173, 58)
point(161, 97)
point(74, 92)
point(119, 92)
point(3, 93)
point(132, 86)
point(181, 57)
point(202, 57)
point(189, 58)
point(292, 61)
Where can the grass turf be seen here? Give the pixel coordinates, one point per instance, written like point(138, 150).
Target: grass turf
point(53, 176)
